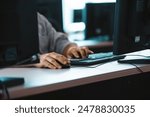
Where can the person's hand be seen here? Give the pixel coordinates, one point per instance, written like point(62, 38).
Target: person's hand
point(52, 60)
point(77, 52)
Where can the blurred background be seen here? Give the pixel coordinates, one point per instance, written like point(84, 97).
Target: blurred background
point(87, 22)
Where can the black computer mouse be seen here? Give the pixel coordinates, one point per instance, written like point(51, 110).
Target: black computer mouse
point(65, 66)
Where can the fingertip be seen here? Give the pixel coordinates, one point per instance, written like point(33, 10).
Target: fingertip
point(69, 57)
point(65, 62)
point(91, 52)
point(76, 55)
point(69, 61)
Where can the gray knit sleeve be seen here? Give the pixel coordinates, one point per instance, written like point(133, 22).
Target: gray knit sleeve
point(49, 39)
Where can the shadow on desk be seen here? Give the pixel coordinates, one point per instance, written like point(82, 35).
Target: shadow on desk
point(131, 87)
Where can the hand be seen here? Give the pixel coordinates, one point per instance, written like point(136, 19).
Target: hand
point(78, 52)
point(52, 60)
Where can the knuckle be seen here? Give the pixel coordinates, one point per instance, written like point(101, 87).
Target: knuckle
point(51, 54)
point(52, 61)
point(59, 56)
point(84, 47)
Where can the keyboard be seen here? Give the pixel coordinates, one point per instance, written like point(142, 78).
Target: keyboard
point(96, 58)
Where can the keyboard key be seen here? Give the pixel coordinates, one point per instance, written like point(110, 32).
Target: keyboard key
point(100, 55)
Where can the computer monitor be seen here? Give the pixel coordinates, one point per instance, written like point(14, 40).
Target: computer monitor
point(77, 15)
point(99, 19)
point(131, 26)
point(18, 30)
point(52, 10)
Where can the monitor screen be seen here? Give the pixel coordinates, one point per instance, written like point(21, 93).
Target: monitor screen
point(19, 31)
point(131, 26)
point(99, 19)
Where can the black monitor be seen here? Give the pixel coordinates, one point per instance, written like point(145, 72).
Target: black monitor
point(131, 26)
point(18, 30)
point(52, 10)
point(77, 15)
point(99, 19)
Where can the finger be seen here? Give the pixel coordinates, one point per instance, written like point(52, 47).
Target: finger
point(51, 66)
point(82, 52)
point(69, 56)
point(75, 53)
point(87, 51)
point(48, 65)
point(60, 58)
point(90, 51)
point(53, 62)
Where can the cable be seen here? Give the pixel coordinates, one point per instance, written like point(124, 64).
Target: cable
point(88, 66)
point(32, 59)
point(138, 55)
point(137, 68)
point(135, 64)
point(95, 66)
point(2, 89)
point(92, 66)
point(5, 93)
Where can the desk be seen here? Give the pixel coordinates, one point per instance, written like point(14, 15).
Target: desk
point(39, 81)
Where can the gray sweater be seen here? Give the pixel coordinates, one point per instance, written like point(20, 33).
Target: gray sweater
point(49, 39)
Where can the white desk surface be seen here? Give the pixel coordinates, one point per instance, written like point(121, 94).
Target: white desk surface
point(39, 81)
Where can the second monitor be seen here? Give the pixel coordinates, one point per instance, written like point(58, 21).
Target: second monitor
point(99, 19)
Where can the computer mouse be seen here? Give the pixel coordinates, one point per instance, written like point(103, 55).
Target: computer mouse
point(65, 66)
